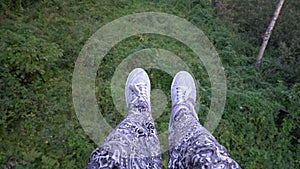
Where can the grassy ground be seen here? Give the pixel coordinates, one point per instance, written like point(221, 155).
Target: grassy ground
point(39, 47)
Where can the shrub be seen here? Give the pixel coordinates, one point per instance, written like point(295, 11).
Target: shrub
point(26, 57)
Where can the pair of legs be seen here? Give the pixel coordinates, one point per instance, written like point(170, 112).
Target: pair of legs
point(134, 143)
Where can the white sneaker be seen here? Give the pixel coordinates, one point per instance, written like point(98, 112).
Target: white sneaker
point(183, 93)
point(137, 90)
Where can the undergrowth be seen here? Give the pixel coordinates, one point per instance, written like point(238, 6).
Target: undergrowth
point(41, 40)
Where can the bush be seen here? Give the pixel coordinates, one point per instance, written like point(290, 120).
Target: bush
point(26, 57)
point(38, 125)
point(15, 4)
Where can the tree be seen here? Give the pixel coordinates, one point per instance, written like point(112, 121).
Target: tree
point(268, 34)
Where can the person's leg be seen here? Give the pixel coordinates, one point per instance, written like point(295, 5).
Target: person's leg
point(190, 144)
point(134, 142)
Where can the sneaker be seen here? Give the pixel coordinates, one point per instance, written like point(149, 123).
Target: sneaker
point(183, 93)
point(137, 90)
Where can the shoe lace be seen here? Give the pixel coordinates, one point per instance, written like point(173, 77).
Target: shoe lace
point(181, 93)
point(182, 107)
point(140, 91)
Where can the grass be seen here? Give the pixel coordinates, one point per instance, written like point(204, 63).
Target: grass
point(39, 126)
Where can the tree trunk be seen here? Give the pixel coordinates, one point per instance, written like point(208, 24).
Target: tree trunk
point(268, 34)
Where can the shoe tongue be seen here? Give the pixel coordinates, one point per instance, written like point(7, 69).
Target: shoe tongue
point(187, 93)
point(142, 104)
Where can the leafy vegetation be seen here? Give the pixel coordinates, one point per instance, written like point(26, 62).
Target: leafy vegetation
point(41, 40)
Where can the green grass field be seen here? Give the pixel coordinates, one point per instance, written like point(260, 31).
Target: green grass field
point(39, 45)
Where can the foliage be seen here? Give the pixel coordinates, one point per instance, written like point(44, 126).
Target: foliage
point(39, 46)
point(28, 58)
point(15, 4)
point(253, 18)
